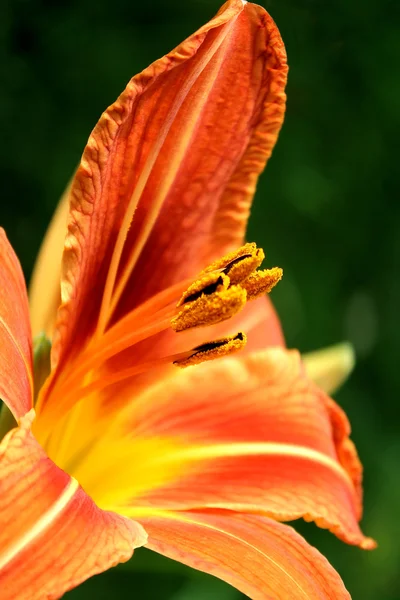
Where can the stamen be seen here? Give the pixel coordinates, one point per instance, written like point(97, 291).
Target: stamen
point(207, 351)
point(227, 262)
point(211, 350)
point(208, 284)
point(217, 294)
point(210, 309)
point(261, 282)
point(242, 266)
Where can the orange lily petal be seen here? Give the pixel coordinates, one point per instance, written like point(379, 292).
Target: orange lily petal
point(181, 150)
point(263, 559)
point(251, 434)
point(258, 320)
point(52, 535)
point(264, 328)
point(44, 288)
point(15, 334)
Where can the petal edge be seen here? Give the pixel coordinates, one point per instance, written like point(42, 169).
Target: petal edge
point(16, 387)
point(262, 558)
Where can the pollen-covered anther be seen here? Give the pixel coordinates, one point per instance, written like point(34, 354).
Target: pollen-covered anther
point(216, 349)
point(210, 309)
point(241, 267)
point(206, 284)
point(240, 263)
point(261, 282)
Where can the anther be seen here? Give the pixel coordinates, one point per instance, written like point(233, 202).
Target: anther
point(210, 309)
point(261, 282)
point(215, 349)
point(242, 266)
point(225, 262)
point(207, 284)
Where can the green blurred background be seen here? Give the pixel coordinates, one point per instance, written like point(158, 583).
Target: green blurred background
point(325, 210)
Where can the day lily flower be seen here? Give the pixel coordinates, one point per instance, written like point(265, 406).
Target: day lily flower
point(133, 436)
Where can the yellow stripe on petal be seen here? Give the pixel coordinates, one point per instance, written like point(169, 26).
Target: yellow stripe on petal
point(254, 449)
point(41, 525)
point(117, 473)
point(214, 60)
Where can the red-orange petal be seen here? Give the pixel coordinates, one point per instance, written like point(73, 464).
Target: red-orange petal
point(52, 535)
point(15, 334)
point(186, 140)
point(262, 558)
point(253, 433)
point(260, 322)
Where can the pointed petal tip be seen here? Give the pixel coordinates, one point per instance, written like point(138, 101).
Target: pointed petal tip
point(368, 544)
point(355, 537)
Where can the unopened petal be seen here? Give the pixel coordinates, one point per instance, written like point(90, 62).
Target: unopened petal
point(45, 285)
point(330, 367)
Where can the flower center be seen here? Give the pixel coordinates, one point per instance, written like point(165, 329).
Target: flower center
point(218, 293)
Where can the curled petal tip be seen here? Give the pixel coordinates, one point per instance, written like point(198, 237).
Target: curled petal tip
point(172, 204)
